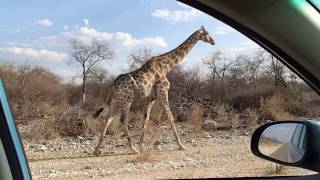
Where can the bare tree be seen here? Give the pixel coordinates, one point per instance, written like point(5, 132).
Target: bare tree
point(277, 70)
point(211, 62)
point(218, 65)
point(87, 56)
point(138, 57)
point(249, 66)
point(100, 74)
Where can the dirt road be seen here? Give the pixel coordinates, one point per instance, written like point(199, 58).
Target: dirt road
point(219, 154)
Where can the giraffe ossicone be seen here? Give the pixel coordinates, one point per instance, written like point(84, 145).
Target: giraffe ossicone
point(150, 83)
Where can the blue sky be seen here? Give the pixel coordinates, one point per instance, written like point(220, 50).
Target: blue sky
point(38, 31)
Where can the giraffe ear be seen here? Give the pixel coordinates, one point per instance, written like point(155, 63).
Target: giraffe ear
point(201, 30)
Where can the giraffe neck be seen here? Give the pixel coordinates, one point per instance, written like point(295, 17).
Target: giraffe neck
point(175, 56)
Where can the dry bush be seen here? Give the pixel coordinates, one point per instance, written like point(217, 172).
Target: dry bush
point(226, 115)
point(32, 90)
point(275, 108)
point(251, 118)
point(72, 122)
point(196, 119)
point(250, 98)
point(45, 129)
point(197, 116)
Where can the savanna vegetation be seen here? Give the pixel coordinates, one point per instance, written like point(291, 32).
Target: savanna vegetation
point(241, 90)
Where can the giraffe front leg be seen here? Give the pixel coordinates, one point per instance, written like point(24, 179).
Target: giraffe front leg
point(96, 151)
point(171, 119)
point(162, 90)
point(146, 120)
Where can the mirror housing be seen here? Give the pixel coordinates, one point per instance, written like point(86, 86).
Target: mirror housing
point(311, 157)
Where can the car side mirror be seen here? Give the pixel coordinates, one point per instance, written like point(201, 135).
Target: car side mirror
point(291, 143)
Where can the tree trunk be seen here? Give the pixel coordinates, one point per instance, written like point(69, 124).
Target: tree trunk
point(212, 87)
point(84, 89)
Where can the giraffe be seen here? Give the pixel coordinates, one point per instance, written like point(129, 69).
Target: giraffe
point(150, 83)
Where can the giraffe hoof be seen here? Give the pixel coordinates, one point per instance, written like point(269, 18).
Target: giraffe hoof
point(97, 152)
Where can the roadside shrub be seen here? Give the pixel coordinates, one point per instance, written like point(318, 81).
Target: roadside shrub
point(45, 129)
point(72, 122)
point(275, 108)
point(197, 116)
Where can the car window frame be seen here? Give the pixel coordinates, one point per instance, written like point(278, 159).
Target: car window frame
point(11, 139)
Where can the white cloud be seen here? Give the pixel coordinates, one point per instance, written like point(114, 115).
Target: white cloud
point(35, 54)
point(86, 34)
point(65, 27)
point(122, 39)
point(176, 15)
point(44, 22)
point(223, 30)
point(86, 21)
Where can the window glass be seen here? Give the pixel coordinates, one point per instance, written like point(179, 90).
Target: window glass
point(5, 172)
point(316, 3)
point(70, 67)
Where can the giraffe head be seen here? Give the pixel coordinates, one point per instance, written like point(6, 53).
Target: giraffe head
point(205, 36)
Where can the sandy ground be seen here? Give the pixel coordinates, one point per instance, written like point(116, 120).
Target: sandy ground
point(214, 154)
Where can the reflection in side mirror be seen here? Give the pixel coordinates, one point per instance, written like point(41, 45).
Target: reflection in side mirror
point(284, 142)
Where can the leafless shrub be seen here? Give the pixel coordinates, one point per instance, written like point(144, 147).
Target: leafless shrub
point(72, 122)
point(45, 129)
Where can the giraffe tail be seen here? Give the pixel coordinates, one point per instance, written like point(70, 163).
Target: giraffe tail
point(100, 110)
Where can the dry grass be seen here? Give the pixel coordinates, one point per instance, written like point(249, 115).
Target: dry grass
point(145, 156)
point(196, 119)
point(276, 169)
point(197, 116)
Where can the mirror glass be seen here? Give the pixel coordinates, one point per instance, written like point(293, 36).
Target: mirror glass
point(285, 142)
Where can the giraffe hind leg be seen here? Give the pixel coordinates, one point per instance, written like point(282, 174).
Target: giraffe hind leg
point(97, 152)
